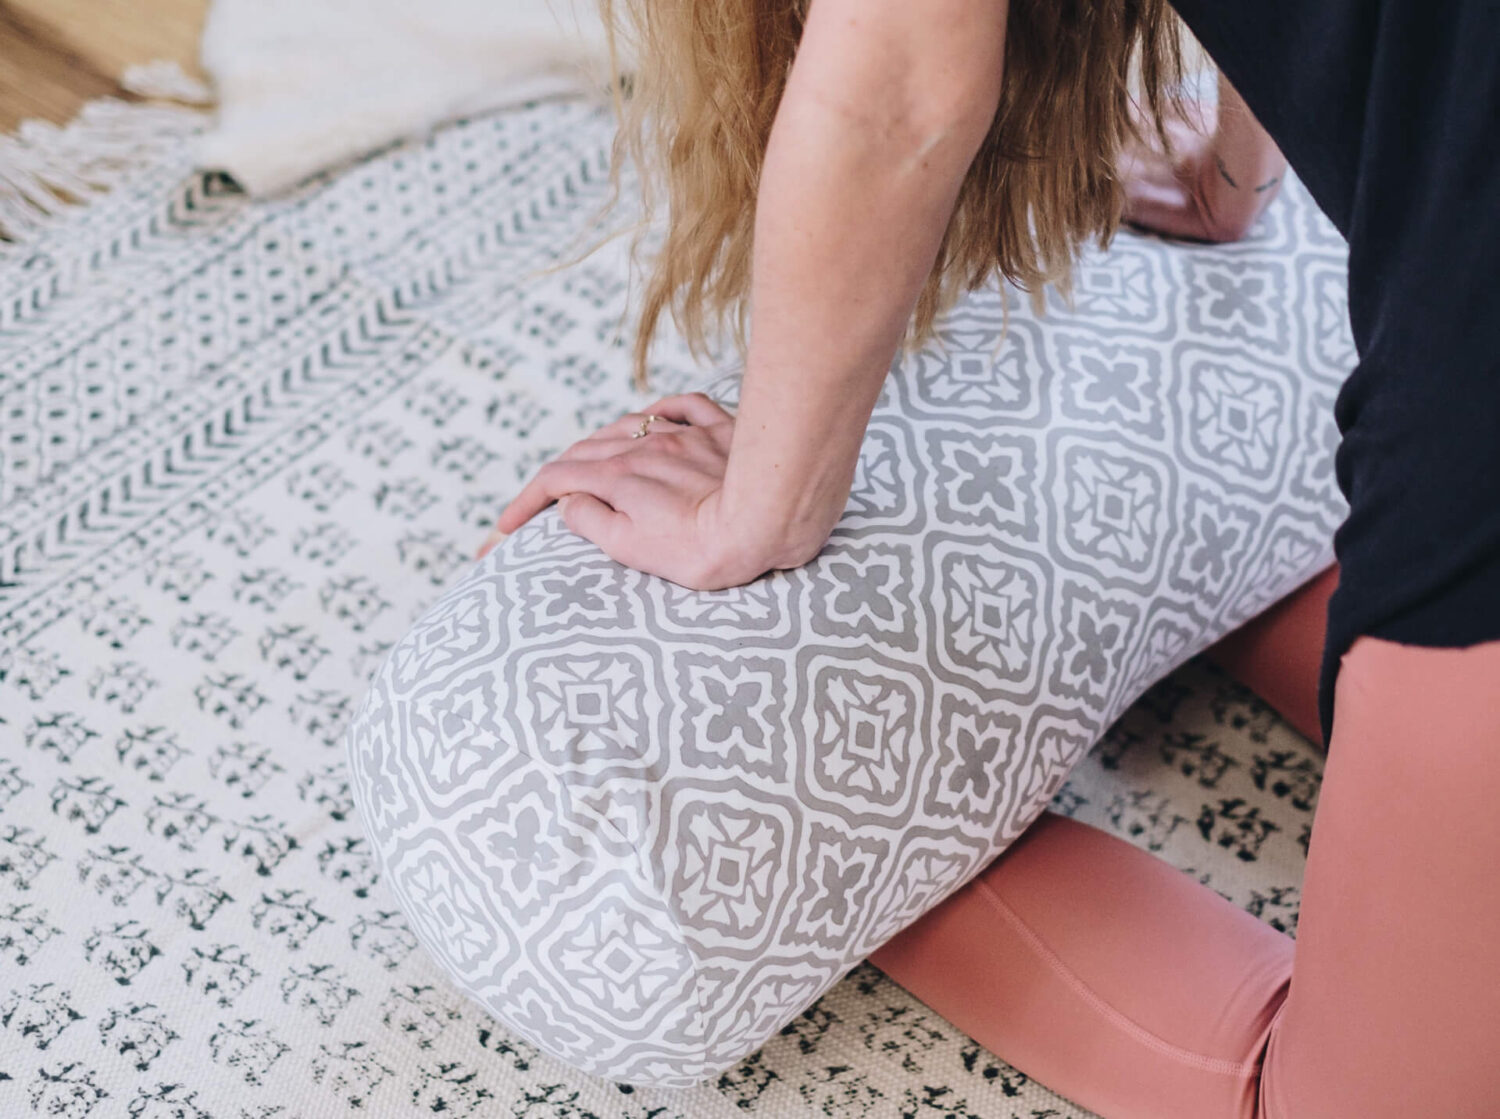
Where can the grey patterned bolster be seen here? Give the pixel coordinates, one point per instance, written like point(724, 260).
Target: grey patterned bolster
point(645, 827)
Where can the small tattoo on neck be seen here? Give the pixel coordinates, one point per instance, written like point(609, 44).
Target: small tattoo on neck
point(1219, 159)
point(1268, 184)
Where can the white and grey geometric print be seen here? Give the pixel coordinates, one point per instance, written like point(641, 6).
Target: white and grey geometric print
point(645, 827)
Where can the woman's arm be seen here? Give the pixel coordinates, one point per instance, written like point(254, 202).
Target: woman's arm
point(1216, 184)
point(886, 106)
point(882, 116)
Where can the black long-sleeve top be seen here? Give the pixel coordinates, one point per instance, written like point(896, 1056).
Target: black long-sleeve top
point(1389, 111)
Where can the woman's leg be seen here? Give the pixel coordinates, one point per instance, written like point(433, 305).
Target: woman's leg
point(1114, 978)
point(1103, 972)
point(1277, 654)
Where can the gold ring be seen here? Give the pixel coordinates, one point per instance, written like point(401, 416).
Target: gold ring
point(645, 428)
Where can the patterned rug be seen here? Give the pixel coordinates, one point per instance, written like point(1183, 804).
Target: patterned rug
point(241, 447)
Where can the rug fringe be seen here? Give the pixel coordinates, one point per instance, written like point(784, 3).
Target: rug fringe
point(47, 171)
point(164, 79)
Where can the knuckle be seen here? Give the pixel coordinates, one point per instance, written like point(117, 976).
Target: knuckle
point(698, 577)
point(708, 572)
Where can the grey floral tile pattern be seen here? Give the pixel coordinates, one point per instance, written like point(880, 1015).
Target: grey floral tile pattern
point(244, 448)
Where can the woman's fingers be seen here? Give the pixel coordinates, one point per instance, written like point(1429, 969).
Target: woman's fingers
point(690, 407)
point(596, 447)
point(615, 463)
point(599, 477)
point(628, 424)
point(595, 521)
point(668, 413)
point(600, 480)
point(651, 458)
point(681, 473)
point(490, 541)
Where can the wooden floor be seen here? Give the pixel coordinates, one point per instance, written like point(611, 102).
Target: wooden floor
point(57, 54)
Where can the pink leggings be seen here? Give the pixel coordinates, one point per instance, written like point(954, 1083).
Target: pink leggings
point(1113, 978)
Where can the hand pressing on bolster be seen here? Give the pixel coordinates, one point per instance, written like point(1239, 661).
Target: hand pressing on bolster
point(1215, 183)
point(648, 489)
point(885, 107)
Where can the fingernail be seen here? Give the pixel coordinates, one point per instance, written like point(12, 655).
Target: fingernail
point(488, 546)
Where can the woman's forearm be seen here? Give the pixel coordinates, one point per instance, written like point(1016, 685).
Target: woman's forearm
point(883, 112)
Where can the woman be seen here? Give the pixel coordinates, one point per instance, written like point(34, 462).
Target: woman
point(914, 149)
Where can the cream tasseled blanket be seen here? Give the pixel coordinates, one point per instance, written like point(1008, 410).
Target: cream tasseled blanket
point(304, 85)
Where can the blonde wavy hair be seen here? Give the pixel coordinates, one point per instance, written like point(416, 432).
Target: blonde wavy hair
point(702, 92)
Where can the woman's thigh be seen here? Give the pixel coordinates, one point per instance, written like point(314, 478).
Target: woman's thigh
point(1277, 653)
point(1394, 1005)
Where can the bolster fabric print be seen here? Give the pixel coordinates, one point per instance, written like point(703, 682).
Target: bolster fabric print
point(645, 826)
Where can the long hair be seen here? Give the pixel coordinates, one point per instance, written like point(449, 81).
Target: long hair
point(707, 78)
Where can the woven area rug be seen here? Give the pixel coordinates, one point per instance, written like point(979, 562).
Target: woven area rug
point(241, 446)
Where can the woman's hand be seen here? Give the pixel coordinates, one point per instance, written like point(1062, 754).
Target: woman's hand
point(1174, 195)
point(657, 502)
point(1220, 177)
point(886, 105)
